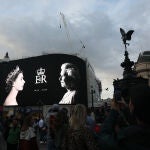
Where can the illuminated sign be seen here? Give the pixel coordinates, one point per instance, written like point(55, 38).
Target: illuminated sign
point(40, 77)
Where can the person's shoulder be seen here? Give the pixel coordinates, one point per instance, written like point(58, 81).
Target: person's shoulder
point(134, 137)
point(133, 130)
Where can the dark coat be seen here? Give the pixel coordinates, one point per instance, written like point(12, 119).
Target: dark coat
point(133, 137)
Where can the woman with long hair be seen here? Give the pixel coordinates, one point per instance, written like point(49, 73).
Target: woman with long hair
point(78, 135)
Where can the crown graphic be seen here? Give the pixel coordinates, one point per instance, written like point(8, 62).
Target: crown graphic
point(40, 71)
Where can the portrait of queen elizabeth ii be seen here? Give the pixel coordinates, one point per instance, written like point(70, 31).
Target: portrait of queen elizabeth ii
point(69, 79)
point(14, 83)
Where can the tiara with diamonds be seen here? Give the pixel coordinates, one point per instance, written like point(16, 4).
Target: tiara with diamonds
point(11, 74)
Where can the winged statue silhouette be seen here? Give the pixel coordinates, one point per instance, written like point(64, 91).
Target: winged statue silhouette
point(126, 36)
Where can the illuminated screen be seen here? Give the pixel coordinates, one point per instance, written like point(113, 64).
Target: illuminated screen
point(40, 82)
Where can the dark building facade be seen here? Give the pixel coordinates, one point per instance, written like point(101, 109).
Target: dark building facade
point(142, 66)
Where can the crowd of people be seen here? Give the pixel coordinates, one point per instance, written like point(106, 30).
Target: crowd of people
point(24, 131)
point(122, 126)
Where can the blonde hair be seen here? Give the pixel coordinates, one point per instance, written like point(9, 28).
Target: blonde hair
point(78, 116)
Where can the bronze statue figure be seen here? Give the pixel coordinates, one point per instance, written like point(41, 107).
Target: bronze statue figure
point(126, 36)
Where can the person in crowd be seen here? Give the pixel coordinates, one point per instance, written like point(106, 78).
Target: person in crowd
point(90, 122)
point(14, 83)
point(7, 121)
point(69, 79)
point(28, 139)
point(50, 120)
point(42, 129)
point(3, 145)
point(93, 113)
point(1, 124)
point(36, 125)
point(134, 136)
point(41, 122)
point(78, 136)
point(66, 114)
point(101, 114)
point(13, 135)
point(60, 128)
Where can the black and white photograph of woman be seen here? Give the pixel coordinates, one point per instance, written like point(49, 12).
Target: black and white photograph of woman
point(14, 83)
point(70, 79)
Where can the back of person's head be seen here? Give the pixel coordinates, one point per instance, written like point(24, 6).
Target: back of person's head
point(55, 108)
point(65, 110)
point(28, 122)
point(61, 119)
point(140, 99)
point(78, 116)
point(14, 121)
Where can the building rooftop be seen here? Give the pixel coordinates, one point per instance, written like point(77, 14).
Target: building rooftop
point(144, 57)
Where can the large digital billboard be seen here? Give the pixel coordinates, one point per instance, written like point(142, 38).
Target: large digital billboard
point(43, 80)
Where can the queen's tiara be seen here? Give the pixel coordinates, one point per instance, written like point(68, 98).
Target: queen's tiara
point(12, 74)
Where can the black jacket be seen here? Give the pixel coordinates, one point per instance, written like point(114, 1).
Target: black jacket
point(133, 137)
